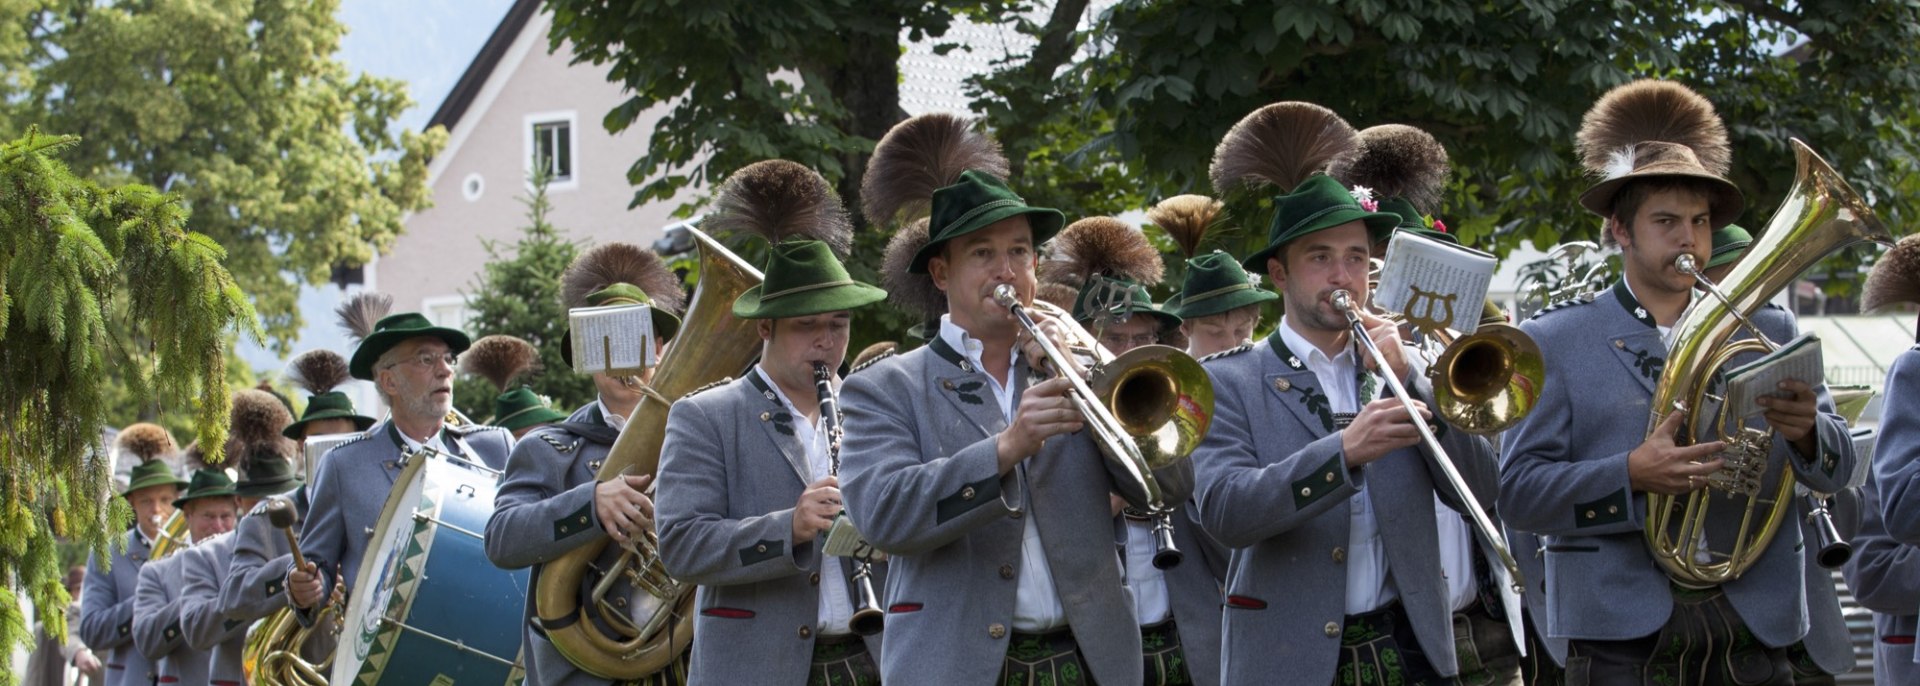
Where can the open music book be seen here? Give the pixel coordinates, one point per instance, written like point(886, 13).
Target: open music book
point(1433, 283)
point(1799, 359)
point(616, 339)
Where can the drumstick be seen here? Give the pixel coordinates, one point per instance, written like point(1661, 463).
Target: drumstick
point(281, 515)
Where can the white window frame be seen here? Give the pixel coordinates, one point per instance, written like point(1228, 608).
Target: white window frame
point(572, 119)
point(436, 308)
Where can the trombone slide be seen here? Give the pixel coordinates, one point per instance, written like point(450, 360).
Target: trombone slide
point(1343, 301)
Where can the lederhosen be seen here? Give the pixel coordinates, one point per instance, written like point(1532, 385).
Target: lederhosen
point(1050, 657)
point(842, 660)
point(1483, 644)
point(1703, 642)
point(1166, 663)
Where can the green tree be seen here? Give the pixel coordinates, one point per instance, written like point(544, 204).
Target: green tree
point(238, 108)
point(81, 264)
point(518, 294)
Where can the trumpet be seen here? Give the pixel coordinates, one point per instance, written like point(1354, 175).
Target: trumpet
point(1343, 301)
point(867, 616)
point(1161, 400)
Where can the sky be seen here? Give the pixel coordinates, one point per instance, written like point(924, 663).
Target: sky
point(427, 44)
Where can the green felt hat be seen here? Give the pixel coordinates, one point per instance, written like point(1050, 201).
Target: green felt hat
point(1121, 296)
point(974, 203)
point(1728, 243)
point(391, 331)
point(520, 408)
point(329, 405)
point(1215, 284)
point(1412, 220)
point(1318, 204)
point(152, 473)
point(267, 475)
point(206, 483)
point(803, 278)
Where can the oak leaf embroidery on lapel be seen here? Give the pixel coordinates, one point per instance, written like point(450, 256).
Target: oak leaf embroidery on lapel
point(783, 423)
point(1649, 365)
point(969, 392)
point(1315, 402)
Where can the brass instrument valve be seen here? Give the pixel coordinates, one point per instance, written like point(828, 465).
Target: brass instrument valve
point(1744, 463)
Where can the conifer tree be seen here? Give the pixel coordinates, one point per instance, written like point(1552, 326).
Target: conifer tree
point(77, 261)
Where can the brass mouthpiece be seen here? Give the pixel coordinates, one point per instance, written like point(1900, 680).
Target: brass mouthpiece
point(1004, 295)
point(1342, 300)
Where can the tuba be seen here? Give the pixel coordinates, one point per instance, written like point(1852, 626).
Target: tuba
point(1147, 408)
point(1821, 215)
point(613, 635)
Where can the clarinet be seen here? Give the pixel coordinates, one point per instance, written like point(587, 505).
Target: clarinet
point(867, 617)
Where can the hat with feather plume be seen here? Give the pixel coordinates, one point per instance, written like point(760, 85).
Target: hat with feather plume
point(257, 438)
point(1406, 169)
point(503, 360)
point(1288, 146)
point(321, 373)
point(1214, 282)
point(1112, 265)
point(1653, 129)
point(804, 223)
point(365, 318)
point(155, 449)
point(938, 165)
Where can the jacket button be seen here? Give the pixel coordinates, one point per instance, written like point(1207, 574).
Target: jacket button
point(1006, 571)
point(814, 578)
point(1333, 630)
point(1339, 555)
point(1613, 509)
point(806, 631)
point(1282, 384)
point(1590, 514)
point(1016, 514)
point(764, 416)
point(760, 548)
point(945, 384)
point(1306, 491)
point(583, 520)
point(1617, 343)
point(966, 493)
point(996, 630)
point(1329, 477)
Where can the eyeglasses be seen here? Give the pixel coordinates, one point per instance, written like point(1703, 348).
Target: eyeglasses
point(429, 359)
point(1137, 340)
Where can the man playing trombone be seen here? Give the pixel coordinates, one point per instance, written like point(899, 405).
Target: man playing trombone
point(748, 488)
point(1308, 461)
point(994, 512)
point(1582, 468)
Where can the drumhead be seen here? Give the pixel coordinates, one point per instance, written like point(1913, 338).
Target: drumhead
point(393, 560)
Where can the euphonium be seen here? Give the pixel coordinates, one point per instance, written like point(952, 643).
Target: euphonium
point(1820, 215)
point(614, 635)
point(279, 651)
point(868, 618)
point(1147, 408)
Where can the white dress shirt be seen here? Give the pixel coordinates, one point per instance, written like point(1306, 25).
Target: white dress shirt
point(618, 422)
point(1456, 555)
point(1149, 583)
point(836, 607)
point(1036, 604)
point(1369, 587)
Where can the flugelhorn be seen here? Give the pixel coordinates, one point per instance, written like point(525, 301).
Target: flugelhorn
point(868, 619)
point(1147, 408)
point(1821, 215)
point(1343, 301)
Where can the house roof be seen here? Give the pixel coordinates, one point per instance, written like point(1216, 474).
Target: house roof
point(457, 100)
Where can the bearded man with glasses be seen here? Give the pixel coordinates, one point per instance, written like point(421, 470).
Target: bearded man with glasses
point(411, 362)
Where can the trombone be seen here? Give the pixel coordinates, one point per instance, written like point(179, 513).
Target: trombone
point(1343, 301)
point(1162, 404)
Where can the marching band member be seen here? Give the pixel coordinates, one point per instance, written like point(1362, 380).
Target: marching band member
point(411, 362)
point(1406, 169)
point(108, 596)
point(1310, 471)
point(1219, 303)
point(263, 453)
point(210, 509)
point(1885, 570)
point(550, 501)
point(994, 512)
point(501, 359)
point(1178, 609)
point(747, 489)
point(1577, 472)
point(257, 573)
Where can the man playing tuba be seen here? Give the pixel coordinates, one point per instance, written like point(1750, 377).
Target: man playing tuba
point(1579, 469)
point(549, 501)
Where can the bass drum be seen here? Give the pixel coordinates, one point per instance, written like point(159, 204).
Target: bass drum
point(464, 626)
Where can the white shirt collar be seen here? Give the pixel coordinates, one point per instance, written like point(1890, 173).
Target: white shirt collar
point(1312, 354)
point(616, 421)
point(968, 346)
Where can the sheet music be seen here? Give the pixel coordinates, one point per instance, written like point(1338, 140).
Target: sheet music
point(844, 541)
point(1799, 359)
point(616, 339)
point(319, 445)
point(1433, 283)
